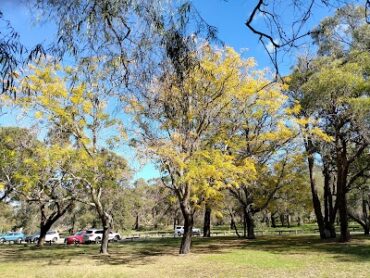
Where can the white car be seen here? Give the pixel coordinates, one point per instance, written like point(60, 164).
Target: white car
point(179, 231)
point(96, 235)
point(51, 236)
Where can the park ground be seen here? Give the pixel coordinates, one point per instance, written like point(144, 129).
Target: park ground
point(281, 256)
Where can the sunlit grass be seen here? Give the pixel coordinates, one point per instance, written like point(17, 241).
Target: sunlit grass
point(216, 257)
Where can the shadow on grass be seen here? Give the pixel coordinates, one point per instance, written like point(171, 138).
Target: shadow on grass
point(128, 253)
point(145, 252)
point(356, 250)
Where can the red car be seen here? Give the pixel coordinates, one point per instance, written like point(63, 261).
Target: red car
point(77, 238)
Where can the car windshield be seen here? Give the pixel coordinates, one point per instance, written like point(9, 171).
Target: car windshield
point(98, 232)
point(50, 233)
point(79, 233)
point(90, 232)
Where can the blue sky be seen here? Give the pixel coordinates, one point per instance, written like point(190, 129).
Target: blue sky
point(228, 16)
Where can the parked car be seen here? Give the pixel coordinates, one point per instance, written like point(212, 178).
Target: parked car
point(51, 236)
point(77, 238)
point(12, 237)
point(96, 235)
point(31, 238)
point(179, 231)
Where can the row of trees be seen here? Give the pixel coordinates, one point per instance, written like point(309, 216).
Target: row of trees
point(208, 118)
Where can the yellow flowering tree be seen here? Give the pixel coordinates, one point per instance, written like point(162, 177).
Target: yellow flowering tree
point(257, 127)
point(181, 121)
point(74, 102)
point(38, 173)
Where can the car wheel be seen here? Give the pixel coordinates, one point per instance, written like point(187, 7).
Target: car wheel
point(2, 240)
point(117, 238)
point(97, 240)
point(54, 240)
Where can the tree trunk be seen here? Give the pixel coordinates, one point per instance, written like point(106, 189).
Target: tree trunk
point(188, 232)
point(106, 221)
point(273, 221)
point(365, 212)
point(300, 220)
point(250, 225)
point(343, 217)
point(105, 240)
point(43, 230)
point(105, 218)
point(267, 220)
point(245, 222)
point(233, 224)
point(282, 219)
point(207, 222)
point(174, 222)
point(288, 220)
point(366, 230)
point(342, 172)
point(315, 197)
point(47, 222)
point(329, 210)
point(72, 230)
point(136, 226)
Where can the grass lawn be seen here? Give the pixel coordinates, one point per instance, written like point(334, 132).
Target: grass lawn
point(300, 256)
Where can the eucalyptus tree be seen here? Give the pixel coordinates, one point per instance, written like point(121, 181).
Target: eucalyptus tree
point(133, 34)
point(330, 90)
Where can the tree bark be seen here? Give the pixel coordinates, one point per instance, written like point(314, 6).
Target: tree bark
point(105, 218)
point(48, 221)
point(105, 240)
point(273, 221)
point(315, 197)
point(329, 209)
point(72, 230)
point(365, 212)
point(282, 219)
point(342, 173)
point(41, 240)
point(174, 222)
point(266, 219)
point(233, 224)
point(288, 218)
point(207, 222)
point(366, 230)
point(343, 217)
point(136, 226)
point(299, 220)
point(188, 233)
point(244, 222)
point(250, 225)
